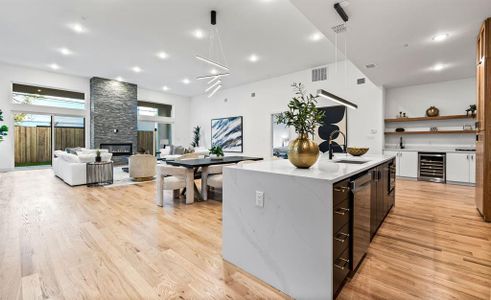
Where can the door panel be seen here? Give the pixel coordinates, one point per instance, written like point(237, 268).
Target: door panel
point(458, 167)
point(472, 168)
point(408, 164)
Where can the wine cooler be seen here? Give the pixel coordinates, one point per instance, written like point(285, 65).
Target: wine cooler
point(432, 167)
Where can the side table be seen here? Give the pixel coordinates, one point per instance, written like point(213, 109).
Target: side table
point(99, 173)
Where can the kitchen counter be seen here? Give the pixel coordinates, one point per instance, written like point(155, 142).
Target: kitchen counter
point(324, 169)
point(278, 221)
point(429, 149)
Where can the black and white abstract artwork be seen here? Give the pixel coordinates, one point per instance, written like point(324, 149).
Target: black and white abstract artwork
point(335, 118)
point(227, 133)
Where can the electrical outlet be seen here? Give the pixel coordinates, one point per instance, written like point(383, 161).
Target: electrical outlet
point(259, 199)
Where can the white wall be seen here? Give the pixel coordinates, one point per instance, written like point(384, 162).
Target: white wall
point(450, 97)
point(181, 130)
point(365, 125)
point(14, 74)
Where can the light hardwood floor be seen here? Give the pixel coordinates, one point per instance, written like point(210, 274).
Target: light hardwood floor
point(114, 243)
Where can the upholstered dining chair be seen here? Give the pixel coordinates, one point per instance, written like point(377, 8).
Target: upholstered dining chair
point(170, 178)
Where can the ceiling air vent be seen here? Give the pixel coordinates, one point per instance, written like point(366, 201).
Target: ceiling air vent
point(319, 74)
point(360, 81)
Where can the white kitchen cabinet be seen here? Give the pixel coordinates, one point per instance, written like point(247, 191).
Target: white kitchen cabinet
point(461, 167)
point(406, 163)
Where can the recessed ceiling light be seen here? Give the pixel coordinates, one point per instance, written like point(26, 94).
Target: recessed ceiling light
point(162, 55)
point(213, 71)
point(440, 37)
point(136, 69)
point(438, 67)
point(199, 34)
point(39, 90)
point(65, 51)
point(253, 58)
point(77, 27)
point(165, 88)
point(370, 66)
point(186, 81)
point(54, 66)
point(317, 36)
point(119, 78)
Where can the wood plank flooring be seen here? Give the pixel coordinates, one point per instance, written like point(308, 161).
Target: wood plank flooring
point(58, 242)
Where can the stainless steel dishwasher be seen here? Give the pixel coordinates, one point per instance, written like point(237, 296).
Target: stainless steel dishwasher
point(361, 188)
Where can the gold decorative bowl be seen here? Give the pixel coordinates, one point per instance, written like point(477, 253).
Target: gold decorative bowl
point(357, 151)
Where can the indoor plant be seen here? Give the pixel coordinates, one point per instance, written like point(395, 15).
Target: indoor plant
point(216, 152)
point(196, 136)
point(3, 129)
point(305, 117)
point(98, 156)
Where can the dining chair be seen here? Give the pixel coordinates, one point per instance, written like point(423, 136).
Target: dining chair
point(170, 178)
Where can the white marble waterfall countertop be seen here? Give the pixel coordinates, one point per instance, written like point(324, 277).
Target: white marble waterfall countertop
point(324, 169)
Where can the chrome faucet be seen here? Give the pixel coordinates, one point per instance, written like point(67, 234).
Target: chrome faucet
point(330, 142)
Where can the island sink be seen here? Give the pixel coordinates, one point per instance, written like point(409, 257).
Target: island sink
point(347, 161)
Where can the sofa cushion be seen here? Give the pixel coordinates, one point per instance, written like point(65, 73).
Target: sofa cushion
point(71, 158)
point(85, 158)
point(106, 156)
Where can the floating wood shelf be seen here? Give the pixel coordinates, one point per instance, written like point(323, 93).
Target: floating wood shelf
point(449, 117)
point(432, 132)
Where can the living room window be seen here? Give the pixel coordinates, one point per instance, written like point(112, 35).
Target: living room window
point(35, 95)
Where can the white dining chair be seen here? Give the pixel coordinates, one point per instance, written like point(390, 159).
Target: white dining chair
point(170, 178)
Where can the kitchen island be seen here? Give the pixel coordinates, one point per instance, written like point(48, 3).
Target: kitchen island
point(300, 229)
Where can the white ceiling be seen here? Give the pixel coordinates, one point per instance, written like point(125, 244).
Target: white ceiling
point(122, 34)
point(379, 29)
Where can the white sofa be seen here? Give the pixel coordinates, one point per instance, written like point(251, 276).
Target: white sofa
point(71, 168)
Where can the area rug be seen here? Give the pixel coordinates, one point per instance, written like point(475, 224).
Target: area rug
point(122, 178)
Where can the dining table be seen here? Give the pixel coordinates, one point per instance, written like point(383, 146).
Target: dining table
point(192, 165)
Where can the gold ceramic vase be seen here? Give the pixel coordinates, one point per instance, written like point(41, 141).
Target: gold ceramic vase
point(303, 152)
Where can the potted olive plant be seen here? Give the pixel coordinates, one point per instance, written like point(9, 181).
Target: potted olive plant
point(305, 117)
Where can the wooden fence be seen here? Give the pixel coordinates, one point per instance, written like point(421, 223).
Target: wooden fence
point(33, 144)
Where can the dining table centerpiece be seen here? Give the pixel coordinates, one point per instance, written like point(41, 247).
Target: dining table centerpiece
point(304, 116)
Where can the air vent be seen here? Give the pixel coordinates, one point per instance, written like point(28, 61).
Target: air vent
point(319, 74)
point(360, 81)
point(339, 28)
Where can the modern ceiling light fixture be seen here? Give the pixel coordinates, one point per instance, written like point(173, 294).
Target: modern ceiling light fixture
point(54, 66)
point(65, 51)
point(216, 58)
point(336, 99)
point(253, 58)
point(162, 55)
point(218, 82)
point(440, 37)
point(214, 91)
point(136, 69)
point(77, 27)
point(438, 67)
point(216, 76)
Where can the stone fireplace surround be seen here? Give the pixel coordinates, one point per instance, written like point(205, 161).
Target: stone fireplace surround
point(113, 114)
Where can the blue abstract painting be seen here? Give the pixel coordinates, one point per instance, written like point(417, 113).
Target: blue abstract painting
point(227, 133)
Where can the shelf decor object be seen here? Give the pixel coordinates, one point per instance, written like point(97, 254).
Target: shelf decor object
point(438, 118)
point(432, 132)
point(432, 112)
point(305, 117)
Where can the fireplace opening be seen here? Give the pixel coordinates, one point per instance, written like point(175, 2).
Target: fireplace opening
point(121, 149)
